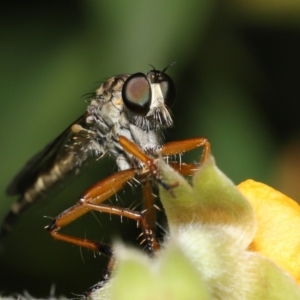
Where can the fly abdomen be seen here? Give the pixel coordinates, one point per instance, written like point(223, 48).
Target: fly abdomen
point(38, 189)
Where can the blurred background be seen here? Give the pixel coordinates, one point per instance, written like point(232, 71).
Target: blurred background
point(237, 78)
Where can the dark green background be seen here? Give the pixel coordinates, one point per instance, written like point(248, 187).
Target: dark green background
point(237, 76)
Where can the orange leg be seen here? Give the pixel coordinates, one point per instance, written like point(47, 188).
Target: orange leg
point(179, 147)
point(172, 148)
point(148, 202)
point(149, 162)
point(91, 200)
point(183, 168)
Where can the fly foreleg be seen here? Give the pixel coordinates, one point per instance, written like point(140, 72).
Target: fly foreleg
point(168, 149)
point(148, 161)
point(180, 147)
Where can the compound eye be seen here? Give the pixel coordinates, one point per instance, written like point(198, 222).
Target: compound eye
point(136, 94)
point(168, 89)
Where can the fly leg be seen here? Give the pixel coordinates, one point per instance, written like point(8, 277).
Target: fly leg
point(183, 168)
point(92, 200)
point(182, 146)
point(152, 168)
point(172, 148)
point(149, 162)
point(148, 205)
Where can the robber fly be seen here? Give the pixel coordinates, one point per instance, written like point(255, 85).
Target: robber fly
point(136, 107)
point(126, 118)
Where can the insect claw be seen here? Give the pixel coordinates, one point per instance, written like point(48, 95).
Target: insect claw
point(169, 187)
point(171, 191)
point(104, 249)
point(52, 226)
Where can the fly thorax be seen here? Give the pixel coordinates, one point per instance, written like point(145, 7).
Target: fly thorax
point(149, 141)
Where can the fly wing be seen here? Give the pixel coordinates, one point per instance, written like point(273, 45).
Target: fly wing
point(64, 155)
point(76, 147)
point(38, 164)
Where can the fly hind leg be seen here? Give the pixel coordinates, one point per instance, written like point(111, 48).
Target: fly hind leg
point(92, 201)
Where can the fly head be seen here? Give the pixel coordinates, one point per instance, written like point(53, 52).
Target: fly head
point(148, 98)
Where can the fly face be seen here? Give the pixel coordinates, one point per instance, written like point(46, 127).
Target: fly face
point(134, 106)
point(148, 98)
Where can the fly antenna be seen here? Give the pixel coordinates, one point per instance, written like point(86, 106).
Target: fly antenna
point(166, 68)
point(152, 67)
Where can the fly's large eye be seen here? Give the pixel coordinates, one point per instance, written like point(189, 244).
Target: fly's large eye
point(168, 89)
point(136, 94)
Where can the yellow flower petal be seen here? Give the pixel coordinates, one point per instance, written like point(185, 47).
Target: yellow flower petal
point(278, 226)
